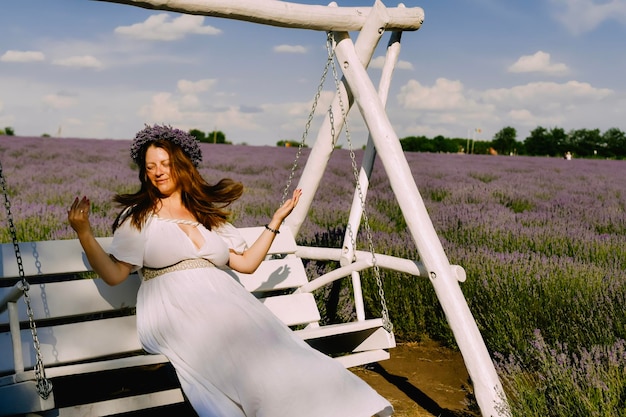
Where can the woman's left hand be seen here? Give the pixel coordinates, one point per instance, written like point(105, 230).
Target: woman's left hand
point(284, 210)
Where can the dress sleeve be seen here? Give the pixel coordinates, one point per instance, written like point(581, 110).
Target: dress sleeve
point(232, 237)
point(128, 245)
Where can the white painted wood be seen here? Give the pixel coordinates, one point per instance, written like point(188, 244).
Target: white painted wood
point(123, 405)
point(275, 274)
point(59, 256)
point(286, 14)
point(22, 398)
point(367, 164)
point(357, 359)
point(324, 145)
point(75, 342)
point(88, 340)
point(87, 367)
point(335, 274)
point(392, 263)
point(16, 340)
point(340, 328)
point(480, 367)
point(43, 258)
point(379, 339)
point(293, 309)
point(68, 298)
point(10, 295)
point(365, 173)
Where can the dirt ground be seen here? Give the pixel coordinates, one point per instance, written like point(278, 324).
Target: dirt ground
point(423, 380)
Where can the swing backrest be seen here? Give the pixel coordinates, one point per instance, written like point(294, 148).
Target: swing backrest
point(80, 319)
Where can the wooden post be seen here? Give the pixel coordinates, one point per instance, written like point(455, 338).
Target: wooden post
point(488, 389)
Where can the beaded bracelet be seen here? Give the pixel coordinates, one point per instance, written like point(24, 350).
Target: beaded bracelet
point(275, 231)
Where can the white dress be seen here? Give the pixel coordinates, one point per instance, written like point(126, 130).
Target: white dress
point(233, 357)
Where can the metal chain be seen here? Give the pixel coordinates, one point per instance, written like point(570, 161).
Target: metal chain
point(331, 61)
point(355, 171)
point(305, 134)
point(44, 386)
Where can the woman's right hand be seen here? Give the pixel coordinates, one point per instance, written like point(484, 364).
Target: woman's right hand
point(107, 267)
point(78, 216)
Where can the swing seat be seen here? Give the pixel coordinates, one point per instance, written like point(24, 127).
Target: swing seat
point(88, 338)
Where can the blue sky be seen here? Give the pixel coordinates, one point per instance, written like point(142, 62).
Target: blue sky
point(90, 69)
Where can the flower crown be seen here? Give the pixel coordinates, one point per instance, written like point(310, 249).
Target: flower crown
point(187, 142)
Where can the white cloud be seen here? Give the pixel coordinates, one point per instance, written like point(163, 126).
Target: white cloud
point(538, 62)
point(580, 16)
point(522, 116)
point(547, 93)
point(162, 109)
point(447, 108)
point(85, 61)
point(59, 101)
point(22, 56)
point(444, 95)
point(529, 119)
point(290, 49)
point(186, 113)
point(379, 62)
point(1, 106)
point(193, 87)
point(159, 27)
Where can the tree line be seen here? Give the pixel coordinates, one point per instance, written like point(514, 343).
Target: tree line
point(581, 143)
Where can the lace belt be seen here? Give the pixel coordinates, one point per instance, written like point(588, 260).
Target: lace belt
point(149, 273)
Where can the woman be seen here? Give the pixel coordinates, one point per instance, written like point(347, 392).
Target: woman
point(233, 357)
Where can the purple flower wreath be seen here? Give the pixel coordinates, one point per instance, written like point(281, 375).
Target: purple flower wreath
point(187, 142)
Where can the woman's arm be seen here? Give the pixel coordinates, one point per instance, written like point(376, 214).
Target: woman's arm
point(107, 267)
point(250, 260)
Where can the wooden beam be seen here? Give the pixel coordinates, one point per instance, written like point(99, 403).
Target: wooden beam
point(286, 14)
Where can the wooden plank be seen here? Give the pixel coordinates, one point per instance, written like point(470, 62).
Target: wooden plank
point(379, 339)
point(274, 274)
point(138, 360)
point(348, 338)
point(293, 309)
point(289, 14)
point(89, 340)
point(340, 328)
point(74, 342)
point(363, 358)
point(23, 398)
point(67, 256)
point(70, 298)
point(124, 405)
point(46, 257)
point(87, 296)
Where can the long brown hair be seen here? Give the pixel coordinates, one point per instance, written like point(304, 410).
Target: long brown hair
point(207, 202)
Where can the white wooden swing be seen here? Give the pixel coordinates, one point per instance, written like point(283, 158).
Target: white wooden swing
point(85, 328)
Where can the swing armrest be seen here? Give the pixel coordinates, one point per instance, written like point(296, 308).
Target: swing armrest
point(9, 301)
point(14, 294)
point(336, 274)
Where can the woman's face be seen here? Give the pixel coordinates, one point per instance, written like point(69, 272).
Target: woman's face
point(158, 170)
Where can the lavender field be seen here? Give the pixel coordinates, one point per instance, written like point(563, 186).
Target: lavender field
point(543, 241)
